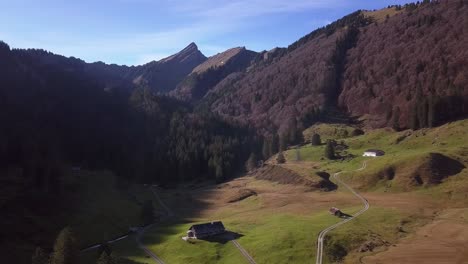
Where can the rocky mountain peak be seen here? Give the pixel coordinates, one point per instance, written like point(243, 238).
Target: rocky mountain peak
point(189, 52)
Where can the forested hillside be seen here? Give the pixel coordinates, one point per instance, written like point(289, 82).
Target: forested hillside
point(410, 70)
point(289, 89)
point(405, 69)
point(206, 75)
point(57, 116)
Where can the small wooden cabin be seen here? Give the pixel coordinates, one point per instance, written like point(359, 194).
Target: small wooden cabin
point(335, 211)
point(373, 153)
point(206, 230)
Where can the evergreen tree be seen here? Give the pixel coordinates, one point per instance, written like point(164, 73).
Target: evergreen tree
point(66, 250)
point(396, 119)
point(104, 259)
point(104, 248)
point(39, 257)
point(147, 213)
point(266, 148)
point(330, 150)
point(316, 141)
point(108, 259)
point(274, 144)
point(414, 119)
point(431, 115)
point(219, 174)
point(251, 163)
point(283, 144)
point(357, 132)
point(422, 113)
point(280, 159)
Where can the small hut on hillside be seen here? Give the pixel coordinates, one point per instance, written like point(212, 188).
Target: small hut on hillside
point(373, 153)
point(335, 211)
point(205, 230)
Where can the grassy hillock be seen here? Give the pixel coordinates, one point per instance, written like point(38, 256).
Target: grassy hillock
point(329, 131)
point(413, 159)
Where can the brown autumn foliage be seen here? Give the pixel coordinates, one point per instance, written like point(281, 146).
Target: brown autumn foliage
point(411, 61)
point(274, 94)
point(409, 71)
point(206, 75)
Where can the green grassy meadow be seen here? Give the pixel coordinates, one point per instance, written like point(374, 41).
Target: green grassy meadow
point(403, 149)
point(106, 212)
point(277, 235)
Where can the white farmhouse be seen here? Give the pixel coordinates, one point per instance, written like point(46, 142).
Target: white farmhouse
point(373, 153)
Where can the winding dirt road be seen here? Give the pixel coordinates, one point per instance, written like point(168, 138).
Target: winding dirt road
point(324, 232)
point(244, 252)
point(144, 248)
point(140, 233)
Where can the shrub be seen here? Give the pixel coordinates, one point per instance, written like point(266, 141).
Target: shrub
point(251, 162)
point(281, 159)
point(66, 250)
point(316, 141)
point(330, 150)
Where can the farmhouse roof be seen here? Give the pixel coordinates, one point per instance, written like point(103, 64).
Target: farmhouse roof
point(206, 228)
point(375, 150)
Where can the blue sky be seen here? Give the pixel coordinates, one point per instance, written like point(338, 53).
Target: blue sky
point(137, 31)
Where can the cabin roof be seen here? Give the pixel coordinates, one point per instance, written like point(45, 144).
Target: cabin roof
point(211, 227)
point(375, 151)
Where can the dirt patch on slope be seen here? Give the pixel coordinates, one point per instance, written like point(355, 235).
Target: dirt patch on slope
point(427, 170)
point(373, 241)
point(434, 168)
point(282, 175)
point(442, 241)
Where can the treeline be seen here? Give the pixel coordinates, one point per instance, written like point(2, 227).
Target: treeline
point(411, 6)
point(434, 110)
point(170, 143)
point(338, 60)
point(409, 72)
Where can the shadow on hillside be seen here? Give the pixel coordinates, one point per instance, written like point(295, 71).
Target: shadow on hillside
point(345, 215)
point(129, 261)
point(223, 238)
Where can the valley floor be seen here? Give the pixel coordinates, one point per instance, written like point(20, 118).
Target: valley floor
point(279, 223)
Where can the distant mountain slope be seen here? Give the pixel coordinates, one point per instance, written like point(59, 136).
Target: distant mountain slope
point(206, 75)
point(404, 66)
point(288, 88)
point(160, 76)
point(410, 70)
point(164, 75)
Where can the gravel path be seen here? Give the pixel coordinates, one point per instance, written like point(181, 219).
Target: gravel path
point(324, 232)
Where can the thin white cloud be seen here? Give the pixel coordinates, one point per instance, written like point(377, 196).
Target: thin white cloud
point(206, 22)
point(257, 8)
point(250, 8)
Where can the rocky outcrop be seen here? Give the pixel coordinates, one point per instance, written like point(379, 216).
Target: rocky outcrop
point(164, 75)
